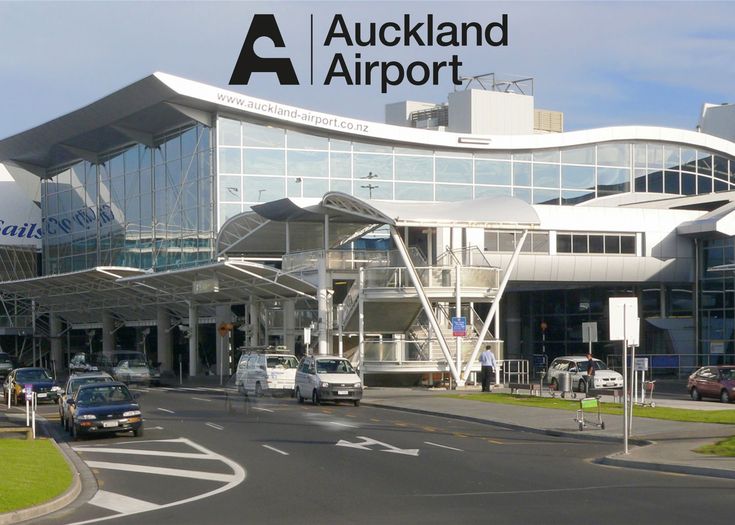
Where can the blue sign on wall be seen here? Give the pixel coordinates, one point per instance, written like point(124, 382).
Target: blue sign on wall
point(459, 326)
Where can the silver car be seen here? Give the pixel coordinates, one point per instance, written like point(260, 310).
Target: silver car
point(132, 371)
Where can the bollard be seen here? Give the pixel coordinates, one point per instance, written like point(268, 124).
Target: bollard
point(28, 413)
point(33, 414)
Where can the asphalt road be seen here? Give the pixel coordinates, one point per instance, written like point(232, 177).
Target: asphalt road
point(274, 461)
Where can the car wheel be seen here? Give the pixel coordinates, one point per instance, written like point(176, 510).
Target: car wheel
point(258, 390)
point(695, 395)
point(299, 397)
point(357, 402)
point(315, 398)
point(582, 385)
point(138, 432)
point(725, 396)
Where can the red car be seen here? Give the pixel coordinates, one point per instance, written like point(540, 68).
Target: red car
point(713, 381)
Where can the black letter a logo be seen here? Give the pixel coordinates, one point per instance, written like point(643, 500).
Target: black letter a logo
point(248, 62)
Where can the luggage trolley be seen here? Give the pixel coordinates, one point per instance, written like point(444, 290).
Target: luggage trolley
point(589, 404)
point(647, 400)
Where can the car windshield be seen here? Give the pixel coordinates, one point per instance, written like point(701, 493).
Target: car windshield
point(286, 361)
point(334, 366)
point(103, 395)
point(79, 359)
point(76, 383)
point(599, 365)
point(32, 375)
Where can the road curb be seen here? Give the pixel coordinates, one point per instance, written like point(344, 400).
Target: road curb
point(616, 461)
point(50, 506)
point(511, 426)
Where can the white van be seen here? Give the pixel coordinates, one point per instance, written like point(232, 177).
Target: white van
point(260, 373)
point(327, 378)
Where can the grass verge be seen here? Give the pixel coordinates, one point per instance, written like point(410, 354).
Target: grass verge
point(726, 447)
point(33, 472)
point(725, 417)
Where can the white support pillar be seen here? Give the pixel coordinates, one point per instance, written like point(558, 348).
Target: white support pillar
point(108, 334)
point(458, 312)
point(323, 308)
point(193, 339)
point(426, 304)
point(361, 324)
point(254, 307)
point(289, 324)
point(496, 304)
point(57, 352)
point(165, 354)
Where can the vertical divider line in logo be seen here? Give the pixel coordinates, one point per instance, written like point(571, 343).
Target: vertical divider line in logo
point(311, 46)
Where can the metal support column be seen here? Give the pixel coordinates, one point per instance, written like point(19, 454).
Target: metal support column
point(426, 304)
point(165, 354)
point(57, 352)
point(108, 334)
point(193, 339)
point(494, 307)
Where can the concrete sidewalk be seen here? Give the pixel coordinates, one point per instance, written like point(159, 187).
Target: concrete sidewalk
point(654, 444)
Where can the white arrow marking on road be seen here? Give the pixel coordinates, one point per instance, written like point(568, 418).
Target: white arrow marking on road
point(262, 409)
point(368, 442)
point(166, 410)
point(342, 424)
point(274, 449)
point(202, 399)
point(215, 426)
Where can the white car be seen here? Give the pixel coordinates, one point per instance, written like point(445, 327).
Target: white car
point(576, 366)
point(132, 371)
point(266, 373)
point(327, 378)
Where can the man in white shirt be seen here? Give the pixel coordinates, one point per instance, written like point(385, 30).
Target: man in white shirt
point(488, 363)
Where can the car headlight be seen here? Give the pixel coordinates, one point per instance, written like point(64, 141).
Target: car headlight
point(357, 385)
point(131, 413)
point(325, 384)
point(56, 389)
point(87, 417)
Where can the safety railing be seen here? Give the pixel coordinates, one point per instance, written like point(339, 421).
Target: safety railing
point(513, 371)
point(348, 259)
point(434, 277)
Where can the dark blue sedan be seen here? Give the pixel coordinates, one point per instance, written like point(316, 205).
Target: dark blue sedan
point(39, 381)
point(100, 408)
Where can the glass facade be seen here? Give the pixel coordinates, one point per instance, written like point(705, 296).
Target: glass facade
point(139, 207)
point(259, 163)
point(717, 299)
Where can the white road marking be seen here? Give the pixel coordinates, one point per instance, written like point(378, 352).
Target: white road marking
point(443, 446)
point(262, 409)
point(342, 424)
point(215, 425)
point(120, 503)
point(142, 452)
point(154, 428)
point(368, 442)
point(147, 469)
point(274, 449)
point(202, 399)
point(166, 410)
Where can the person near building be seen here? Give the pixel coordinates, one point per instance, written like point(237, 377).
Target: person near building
point(589, 383)
point(488, 364)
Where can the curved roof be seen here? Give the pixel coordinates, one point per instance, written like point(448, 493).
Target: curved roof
point(264, 229)
point(157, 103)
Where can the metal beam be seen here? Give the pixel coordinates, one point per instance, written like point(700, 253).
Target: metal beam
point(495, 305)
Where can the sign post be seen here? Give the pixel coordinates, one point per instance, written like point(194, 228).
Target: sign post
point(589, 334)
point(624, 327)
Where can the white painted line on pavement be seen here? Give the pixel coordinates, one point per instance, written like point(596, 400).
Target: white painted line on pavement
point(143, 452)
point(274, 449)
point(166, 410)
point(120, 503)
point(215, 426)
point(147, 469)
point(262, 409)
point(342, 424)
point(202, 399)
point(443, 446)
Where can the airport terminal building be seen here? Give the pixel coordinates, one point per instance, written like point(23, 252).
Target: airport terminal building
point(187, 220)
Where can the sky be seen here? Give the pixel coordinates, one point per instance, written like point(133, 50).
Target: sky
point(601, 63)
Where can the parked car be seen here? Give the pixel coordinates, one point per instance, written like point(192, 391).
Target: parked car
point(576, 366)
point(7, 364)
point(72, 384)
point(327, 378)
point(132, 371)
point(261, 373)
point(99, 408)
point(713, 381)
point(81, 363)
point(38, 379)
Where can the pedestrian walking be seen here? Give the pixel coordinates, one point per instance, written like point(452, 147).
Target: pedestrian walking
point(590, 380)
point(488, 364)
